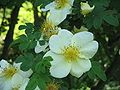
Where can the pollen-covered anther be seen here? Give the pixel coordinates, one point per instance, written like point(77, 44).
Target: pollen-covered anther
point(9, 72)
point(71, 53)
point(48, 29)
point(47, 25)
point(53, 86)
point(61, 3)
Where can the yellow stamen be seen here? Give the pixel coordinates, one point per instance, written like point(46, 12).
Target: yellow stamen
point(61, 3)
point(9, 72)
point(48, 29)
point(71, 53)
point(53, 86)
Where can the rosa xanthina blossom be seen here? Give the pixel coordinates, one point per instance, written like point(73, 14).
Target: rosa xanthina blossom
point(85, 8)
point(48, 29)
point(58, 10)
point(10, 72)
point(71, 53)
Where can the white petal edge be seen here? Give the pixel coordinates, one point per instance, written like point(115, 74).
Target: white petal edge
point(89, 50)
point(60, 70)
point(48, 7)
point(82, 38)
point(76, 69)
point(85, 64)
point(17, 80)
point(17, 65)
point(25, 74)
point(4, 64)
point(71, 2)
point(39, 48)
point(57, 15)
point(24, 84)
point(58, 42)
point(57, 58)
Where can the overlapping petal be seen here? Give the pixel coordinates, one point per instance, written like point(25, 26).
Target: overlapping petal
point(61, 69)
point(7, 85)
point(90, 49)
point(3, 64)
point(65, 40)
point(58, 42)
point(82, 38)
point(49, 6)
point(57, 58)
point(19, 82)
point(24, 84)
point(85, 64)
point(76, 69)
point(71, 2)
point(58, 16)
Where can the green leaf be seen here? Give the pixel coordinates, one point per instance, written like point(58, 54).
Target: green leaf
point(21, 27)
point(26, 66)
point(40, 68)
point(97, 22)
point(32, 44)
point(28, 31)
point(28, 61)
point(31, 84)
point(112, 20)
point(37, 35)
point(96, 67)
point(17, 41)
point(29, 28)
point(29, 25)
point(23, 46)
point(89, 21)
point(23, 38)
point(37, 80)
point(48, 58)
point(91, 74)
point(44, 65)
point(20, 59)
point(104, 3)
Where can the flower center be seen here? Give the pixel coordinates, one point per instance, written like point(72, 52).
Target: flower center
point(61, 3)
point(71, 53)
point(9, 72)
point(48, 29)
point(53, 86)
